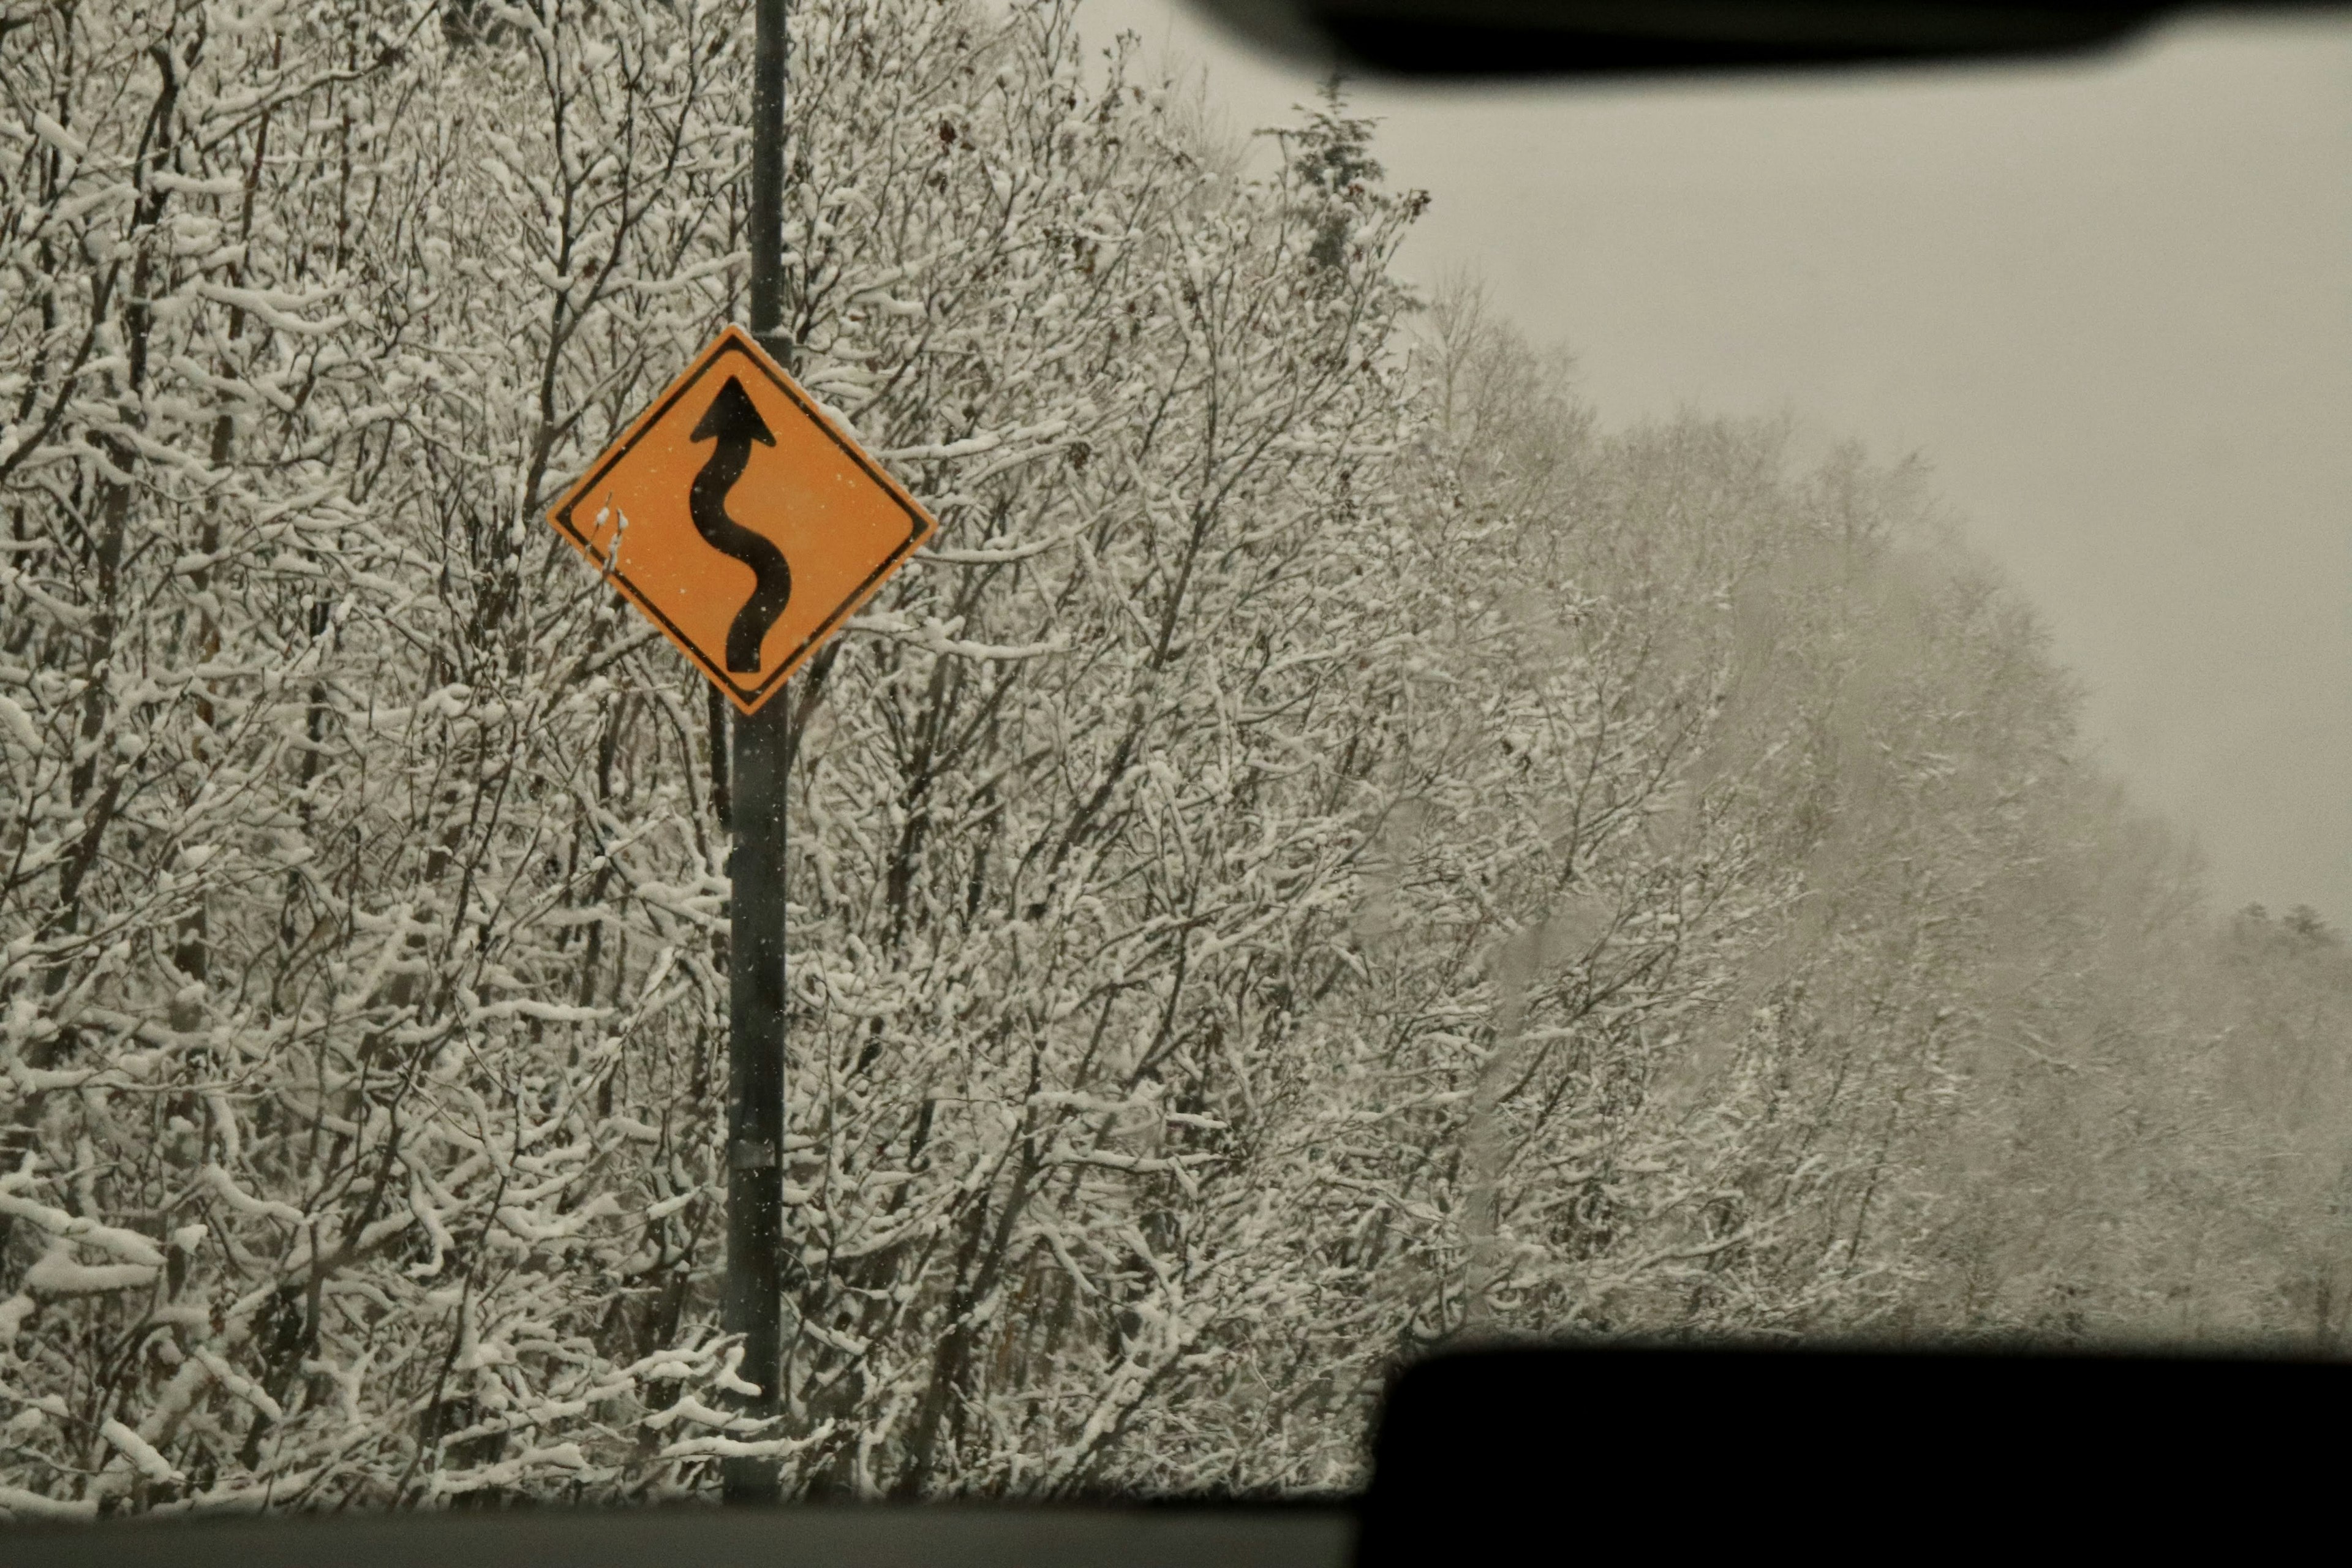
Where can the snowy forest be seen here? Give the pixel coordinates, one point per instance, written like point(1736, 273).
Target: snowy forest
point(1335, 851)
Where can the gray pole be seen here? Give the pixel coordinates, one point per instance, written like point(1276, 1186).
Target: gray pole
point(756, 994)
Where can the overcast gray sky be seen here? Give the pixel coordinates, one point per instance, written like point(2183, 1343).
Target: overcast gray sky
point(2111, 302)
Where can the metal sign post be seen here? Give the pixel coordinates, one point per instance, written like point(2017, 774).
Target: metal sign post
point(755, 952)
point(755, 1066)
point(747, 524)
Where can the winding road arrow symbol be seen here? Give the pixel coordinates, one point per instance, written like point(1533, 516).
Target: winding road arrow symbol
point(735, 422)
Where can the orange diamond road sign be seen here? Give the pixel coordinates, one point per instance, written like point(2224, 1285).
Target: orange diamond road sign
point(742, 520)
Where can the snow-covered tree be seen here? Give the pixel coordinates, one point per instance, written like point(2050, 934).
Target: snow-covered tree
point(367, 913)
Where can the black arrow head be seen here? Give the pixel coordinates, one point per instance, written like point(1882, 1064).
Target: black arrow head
point(732, 416)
